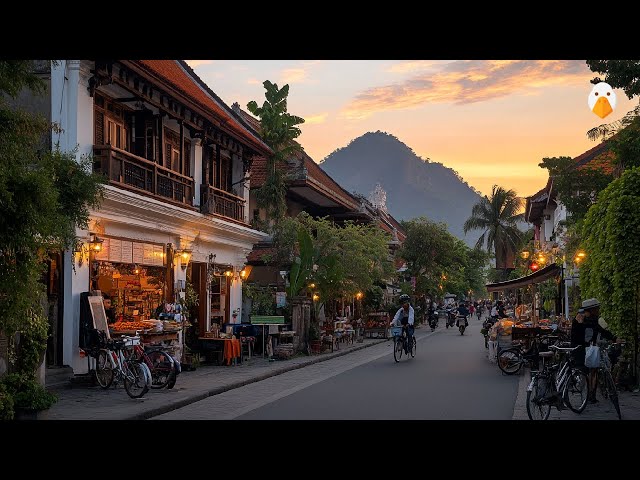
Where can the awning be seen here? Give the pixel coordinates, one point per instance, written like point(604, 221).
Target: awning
point(551, 271)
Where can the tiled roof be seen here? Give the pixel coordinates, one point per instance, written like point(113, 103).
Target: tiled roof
point(255, 256)
point(182, 78)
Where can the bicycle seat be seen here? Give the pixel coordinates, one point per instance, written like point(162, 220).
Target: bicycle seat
point(545, 354)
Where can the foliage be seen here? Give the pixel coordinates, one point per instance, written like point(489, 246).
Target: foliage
point(279, 130)
point(27, 393)
point(373, 298)
point(577, 187)
point(302, 265)
point(623, 74)
point(6, 404)
point(611, 239)
point(33, 342)
point(314, 331)
point(440, 262)
point(44, 196)
point(262, 300)
point(498, 217)
point(626, 145)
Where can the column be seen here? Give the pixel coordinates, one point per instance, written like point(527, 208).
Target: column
point(196, 169)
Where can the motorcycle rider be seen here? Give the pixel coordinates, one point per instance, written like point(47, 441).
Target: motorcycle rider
point(463, 311)
point(405, 316)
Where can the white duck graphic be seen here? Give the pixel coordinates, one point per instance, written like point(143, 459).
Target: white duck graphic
point(602, 99)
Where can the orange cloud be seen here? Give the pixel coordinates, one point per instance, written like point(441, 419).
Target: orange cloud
point(468, 81)
point(293, 75)
point(319, 118)
point(199, 63)
point(411, 66)
point(254, 81)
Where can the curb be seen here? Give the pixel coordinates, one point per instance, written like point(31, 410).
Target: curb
point(520, 405)
point(154, 412)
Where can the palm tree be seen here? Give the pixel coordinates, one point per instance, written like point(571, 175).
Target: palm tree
point(498, 217)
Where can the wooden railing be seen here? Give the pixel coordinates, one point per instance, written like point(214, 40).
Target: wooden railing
point(218, 202)
point(142, 175)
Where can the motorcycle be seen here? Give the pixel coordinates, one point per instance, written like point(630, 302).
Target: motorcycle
point(462, 323)
point(433, 321)
point(451, 318)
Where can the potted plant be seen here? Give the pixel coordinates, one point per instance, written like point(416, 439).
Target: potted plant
point(314, 338)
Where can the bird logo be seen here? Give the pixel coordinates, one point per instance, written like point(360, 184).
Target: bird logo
point(602, 99)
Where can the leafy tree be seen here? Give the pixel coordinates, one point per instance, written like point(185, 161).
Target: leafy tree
point(279, 130)
point(44, 195)
point(498, 216)
point(611, 239)
point(577, 187)
point(623, 74)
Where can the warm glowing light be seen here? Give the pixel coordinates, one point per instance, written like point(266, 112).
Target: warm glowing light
point(136, 270)
point(359, 295)
point(228, 273)
point(534, 266)
point(524, 254)
point(316, 297)
point(581, 255)
point(243, 273)
point(312, 285)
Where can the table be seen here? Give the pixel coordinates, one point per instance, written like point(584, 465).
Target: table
point(231, 348)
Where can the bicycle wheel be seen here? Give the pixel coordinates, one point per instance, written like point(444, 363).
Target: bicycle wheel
point(510, 361)
point(537, 408)
point(137, 378)
point(413, 347)
point(576, 391)
point(397, 349)
point(612, 392)
point(104, 370)
point(161, 367)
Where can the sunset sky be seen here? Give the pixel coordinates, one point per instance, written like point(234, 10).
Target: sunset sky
point(492, 121)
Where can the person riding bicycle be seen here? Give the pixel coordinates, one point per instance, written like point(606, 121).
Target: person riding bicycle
point(463, 311)
point(405, 316)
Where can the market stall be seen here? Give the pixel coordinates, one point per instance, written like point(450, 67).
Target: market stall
point(377, 325)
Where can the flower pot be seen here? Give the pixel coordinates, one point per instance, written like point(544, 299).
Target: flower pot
point(316, 346)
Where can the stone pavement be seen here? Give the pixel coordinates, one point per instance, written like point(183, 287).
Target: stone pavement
point(94, 403)
point(603, 410)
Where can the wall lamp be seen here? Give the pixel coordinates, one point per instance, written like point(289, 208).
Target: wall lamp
point(185, 257)
point(95, 244)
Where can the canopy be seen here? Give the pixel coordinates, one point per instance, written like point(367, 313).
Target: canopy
point(550, 271)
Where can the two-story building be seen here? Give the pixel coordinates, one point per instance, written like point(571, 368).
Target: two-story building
point(175, 207)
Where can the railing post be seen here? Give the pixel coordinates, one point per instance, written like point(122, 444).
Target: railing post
point(155, 179)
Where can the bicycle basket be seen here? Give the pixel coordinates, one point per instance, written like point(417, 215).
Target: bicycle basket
point(396, 331)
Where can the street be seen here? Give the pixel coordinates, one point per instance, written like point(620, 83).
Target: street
point(449, 379)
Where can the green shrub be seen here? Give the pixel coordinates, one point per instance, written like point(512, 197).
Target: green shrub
point(6, 404)
point(27, 392)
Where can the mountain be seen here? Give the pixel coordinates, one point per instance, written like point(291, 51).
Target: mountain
point(415, 187)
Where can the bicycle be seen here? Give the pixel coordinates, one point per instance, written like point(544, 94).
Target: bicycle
point(510, 360)
point(112, 365)
point(163, 367)
point(400, 343)
point(605, 380)
point(557, 385)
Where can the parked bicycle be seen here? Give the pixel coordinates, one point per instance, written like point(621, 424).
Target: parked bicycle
point(400, 340)
point(510, 360)
point(605, 379)
point(558, 385)
point(112, 365)
point(163, 367)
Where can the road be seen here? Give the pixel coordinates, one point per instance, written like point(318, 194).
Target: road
point(450, 379)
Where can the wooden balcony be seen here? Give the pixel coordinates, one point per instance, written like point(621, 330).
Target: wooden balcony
point(143, 176)
point(219, 202)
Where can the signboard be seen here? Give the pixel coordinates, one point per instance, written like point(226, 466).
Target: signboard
point(138, 252)
point(127, 251)
point(99, 315)
point(115, 250)
point(267, 319)
point(158, 255)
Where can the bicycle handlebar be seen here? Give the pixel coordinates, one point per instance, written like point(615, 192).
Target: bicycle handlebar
point(564, 349)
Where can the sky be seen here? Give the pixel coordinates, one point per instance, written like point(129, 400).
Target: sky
point(492, 121)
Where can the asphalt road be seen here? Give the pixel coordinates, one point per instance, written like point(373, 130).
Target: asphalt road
point(450, 378)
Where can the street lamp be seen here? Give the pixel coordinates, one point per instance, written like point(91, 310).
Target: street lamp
point(359, 295)
point(580, 256)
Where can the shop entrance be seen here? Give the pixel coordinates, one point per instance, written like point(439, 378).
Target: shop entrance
point(53, 281)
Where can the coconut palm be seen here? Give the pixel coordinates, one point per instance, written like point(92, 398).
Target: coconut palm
point(498, 216)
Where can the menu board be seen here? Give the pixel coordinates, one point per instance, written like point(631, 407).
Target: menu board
point(147, 258)
point(115, 250)
point(103, 254)
point(138, 252)
point(127, 251)
point(99, 315)
point(158, 255)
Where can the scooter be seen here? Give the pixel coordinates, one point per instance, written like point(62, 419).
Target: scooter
point(462, 323)
point(433, 321)
point(451, 318)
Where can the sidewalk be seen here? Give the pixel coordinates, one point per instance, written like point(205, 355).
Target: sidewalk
point(94, 403)
point(603, 410)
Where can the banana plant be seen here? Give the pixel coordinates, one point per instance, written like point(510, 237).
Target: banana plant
point(302, 266)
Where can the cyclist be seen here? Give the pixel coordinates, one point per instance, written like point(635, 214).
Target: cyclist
point(405, 317)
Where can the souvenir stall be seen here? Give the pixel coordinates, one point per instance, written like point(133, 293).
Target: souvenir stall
point(377, 325)
point(132, 278)
point(524, 322)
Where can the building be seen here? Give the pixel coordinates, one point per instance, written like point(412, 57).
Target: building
point(545, 210)
point(175, 208)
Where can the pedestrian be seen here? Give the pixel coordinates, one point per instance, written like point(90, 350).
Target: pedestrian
point(585, 330)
